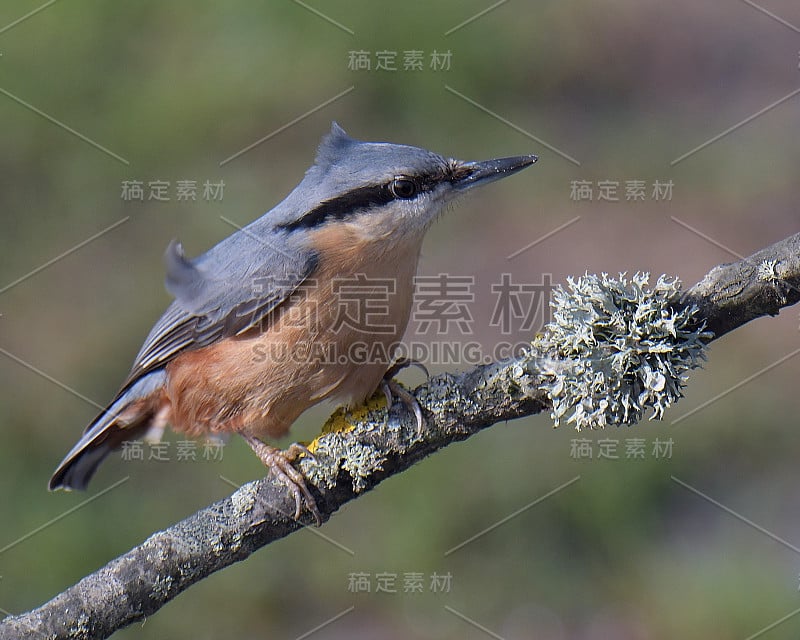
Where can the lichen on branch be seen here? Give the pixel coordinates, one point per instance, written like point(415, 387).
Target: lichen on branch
point(617, 347)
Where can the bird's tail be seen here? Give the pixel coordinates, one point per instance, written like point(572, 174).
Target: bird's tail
point(129, 416)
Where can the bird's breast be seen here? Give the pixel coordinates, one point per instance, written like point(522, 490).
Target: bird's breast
point(333, 338)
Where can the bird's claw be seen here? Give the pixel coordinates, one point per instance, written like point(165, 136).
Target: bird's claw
point(392, 388)
point(279, 463)
point(404, 363)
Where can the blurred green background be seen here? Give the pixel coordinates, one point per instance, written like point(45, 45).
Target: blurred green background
point(622, 87)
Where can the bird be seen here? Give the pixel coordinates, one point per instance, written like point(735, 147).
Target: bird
point(234, 352)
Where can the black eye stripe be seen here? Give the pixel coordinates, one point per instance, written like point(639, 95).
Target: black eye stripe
point(344, 205)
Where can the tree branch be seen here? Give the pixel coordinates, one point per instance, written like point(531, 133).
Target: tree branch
point(357, 451)
point(734, 294)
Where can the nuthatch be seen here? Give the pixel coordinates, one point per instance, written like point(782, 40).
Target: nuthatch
point(217, 361)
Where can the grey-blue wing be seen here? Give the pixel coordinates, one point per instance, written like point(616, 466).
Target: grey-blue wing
point(215, 301)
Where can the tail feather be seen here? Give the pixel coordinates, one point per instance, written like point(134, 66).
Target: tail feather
point(126, 418)
point(75, 472)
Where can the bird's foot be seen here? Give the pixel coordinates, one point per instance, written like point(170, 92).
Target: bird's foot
point(405, 363)
point(392, 388)
point(279, 463)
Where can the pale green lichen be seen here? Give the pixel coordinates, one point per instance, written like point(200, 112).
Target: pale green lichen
point(361, 462)
point(336, 444)
point(80, 627)
point(244, 500)
point(616, 347)
point(161, 587)
point(768, 270)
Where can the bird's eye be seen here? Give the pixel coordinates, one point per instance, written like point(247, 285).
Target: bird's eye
point(403, 188)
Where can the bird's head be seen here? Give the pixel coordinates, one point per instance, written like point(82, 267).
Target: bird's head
point(388, 188)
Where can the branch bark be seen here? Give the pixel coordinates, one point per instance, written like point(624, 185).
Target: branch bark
point(734, 294)
point(356, 452)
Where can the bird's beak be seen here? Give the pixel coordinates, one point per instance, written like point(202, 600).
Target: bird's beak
point(474, 173)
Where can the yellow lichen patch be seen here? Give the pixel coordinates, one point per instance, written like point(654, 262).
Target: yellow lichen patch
point(343, 419)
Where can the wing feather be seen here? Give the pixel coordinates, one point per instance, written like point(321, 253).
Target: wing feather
point(216, 306)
